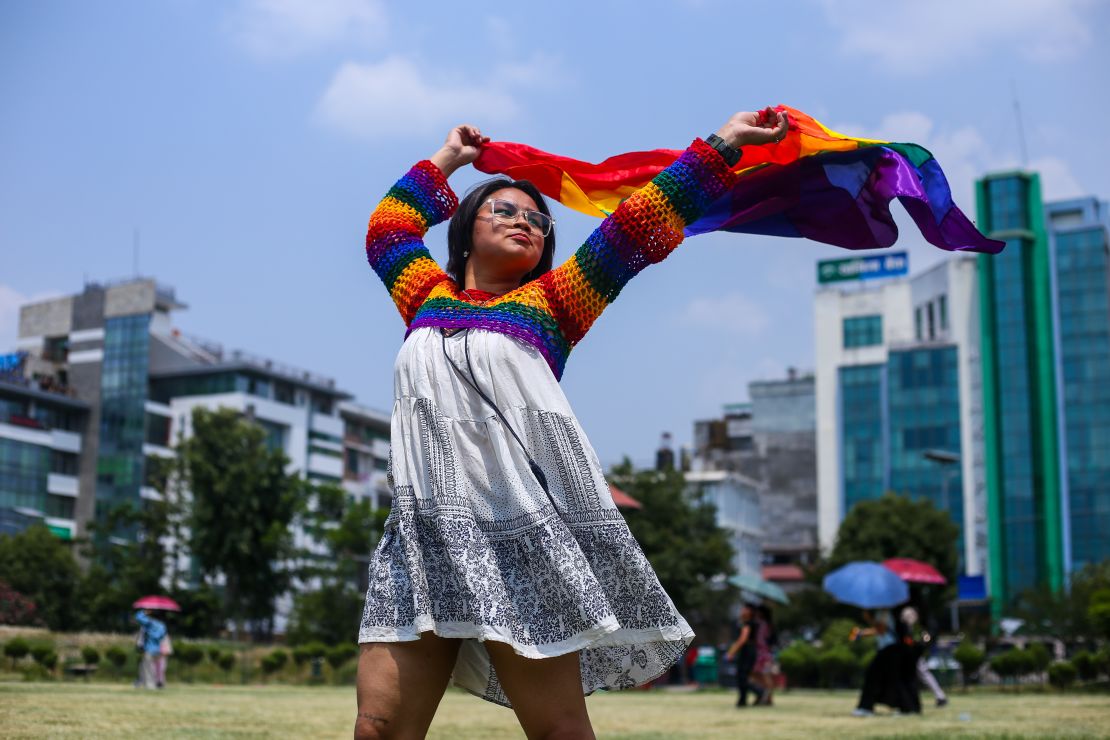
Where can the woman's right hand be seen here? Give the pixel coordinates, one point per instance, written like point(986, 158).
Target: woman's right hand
point(463, 145)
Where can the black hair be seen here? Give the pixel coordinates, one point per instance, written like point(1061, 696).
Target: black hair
point(460, 232)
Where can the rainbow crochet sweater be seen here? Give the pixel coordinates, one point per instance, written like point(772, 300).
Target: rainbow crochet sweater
point(553, 312)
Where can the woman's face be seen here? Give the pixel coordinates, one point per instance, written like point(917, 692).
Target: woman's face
point(506, 247)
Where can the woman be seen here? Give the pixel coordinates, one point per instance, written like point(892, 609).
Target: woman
point(743, 651)
point(889, 678)
point(765, 640)
point(505, 564)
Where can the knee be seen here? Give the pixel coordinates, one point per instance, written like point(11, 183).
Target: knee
point(569, 730)
point(369, 727)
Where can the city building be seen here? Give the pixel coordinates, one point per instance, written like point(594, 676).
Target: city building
point(41, 433)
point(366, 453)
point(129, 382)
point(771, 439)
point(736, 498)
point(982, 384)
point(1046, 365)
point(898, 392)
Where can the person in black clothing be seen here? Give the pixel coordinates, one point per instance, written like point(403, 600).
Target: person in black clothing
point(891, 677)
point(742, 650)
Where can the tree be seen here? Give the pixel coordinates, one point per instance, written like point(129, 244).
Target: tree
point(41, 567)
point(1072, 613)
point(680, 538)
point(243, 504)
point(896, 526)
point(349, 531)
point(121, 571)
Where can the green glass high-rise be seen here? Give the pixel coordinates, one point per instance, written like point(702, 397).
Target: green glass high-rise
point(1044, 313)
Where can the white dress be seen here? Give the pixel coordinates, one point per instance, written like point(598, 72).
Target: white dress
point(473, 548)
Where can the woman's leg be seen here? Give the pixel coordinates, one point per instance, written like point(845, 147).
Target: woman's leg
point(546, 694)
point(400, 685)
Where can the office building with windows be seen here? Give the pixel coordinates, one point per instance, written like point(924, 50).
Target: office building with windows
point(898, 399)
point(41, 431)
point(1045, 309)
point(125, 383)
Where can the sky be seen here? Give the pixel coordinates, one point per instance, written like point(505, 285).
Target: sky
point(242, 145)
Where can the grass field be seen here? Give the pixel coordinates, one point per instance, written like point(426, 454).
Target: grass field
point(112, 711)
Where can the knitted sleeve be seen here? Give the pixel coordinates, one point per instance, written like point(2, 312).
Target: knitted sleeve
point(395, 238)
point(643, 230)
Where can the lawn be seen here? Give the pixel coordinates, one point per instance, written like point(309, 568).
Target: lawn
point(92, 710)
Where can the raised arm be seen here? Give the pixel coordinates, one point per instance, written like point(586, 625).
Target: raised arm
point(422, 198)
point(649, 225)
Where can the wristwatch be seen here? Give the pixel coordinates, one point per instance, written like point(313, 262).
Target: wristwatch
point(730, 153)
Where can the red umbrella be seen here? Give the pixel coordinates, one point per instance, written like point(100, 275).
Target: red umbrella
point(915, 571)
point(164, 603)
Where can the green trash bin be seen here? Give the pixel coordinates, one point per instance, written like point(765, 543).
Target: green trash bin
point(705, 666)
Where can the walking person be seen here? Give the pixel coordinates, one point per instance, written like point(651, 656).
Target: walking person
point(504, 564)
point(149, 642)
point(922, 640)
point(889, 678)
point(742, 650)
point(765, 640)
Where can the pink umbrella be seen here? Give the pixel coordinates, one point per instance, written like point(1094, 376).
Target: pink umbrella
point(915, 571)
point(164, 603)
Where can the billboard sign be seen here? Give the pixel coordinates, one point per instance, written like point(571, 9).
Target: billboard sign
point(893, 264)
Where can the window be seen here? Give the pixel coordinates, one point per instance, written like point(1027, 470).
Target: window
point(917, 323)
point(942, 309)
point(932, 321)
point(863, 331)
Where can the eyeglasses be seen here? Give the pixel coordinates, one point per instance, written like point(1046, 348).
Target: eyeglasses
point(508, 212)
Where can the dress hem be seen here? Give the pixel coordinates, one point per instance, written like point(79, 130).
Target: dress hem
point(607, 634)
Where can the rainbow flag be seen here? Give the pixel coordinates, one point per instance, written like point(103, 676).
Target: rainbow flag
point(815, 183)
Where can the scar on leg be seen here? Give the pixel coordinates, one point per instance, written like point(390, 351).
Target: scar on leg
point(373, 718)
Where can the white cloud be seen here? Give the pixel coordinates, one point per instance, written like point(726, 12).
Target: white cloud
point(394, 98)
point(919, 37)
point(275, 29)
point(966, 154)
point(732, 313)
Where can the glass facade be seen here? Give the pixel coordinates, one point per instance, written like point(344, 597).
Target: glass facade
point(123, 392)
point(24, 468)
point(923, 407)
point(1021, 517)
point(863, 331)
point(1083, 304)
point(1008, 199)
point(862, 395)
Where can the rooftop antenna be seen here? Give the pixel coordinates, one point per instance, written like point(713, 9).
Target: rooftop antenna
point(1020, 128)
point(135, 252)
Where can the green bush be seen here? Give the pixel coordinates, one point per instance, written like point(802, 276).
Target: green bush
point(301, 655)
point(90, 655)
point(214, 654)
point(1085, 665)
point(970, 659)
point(799, 664)
point(838, 667)
point(47, 659)
point(280, 657)
point(117, 656)
point(16, 649)
point(340, 654)
point(1102, 660)
point(39, 651)
point(1061, 675)
point(1039, 657)
point(1005, 664)
point(271, 665)
point(226, 661)
point(316, 649)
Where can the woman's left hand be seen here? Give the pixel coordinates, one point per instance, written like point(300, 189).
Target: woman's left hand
point(764, 127)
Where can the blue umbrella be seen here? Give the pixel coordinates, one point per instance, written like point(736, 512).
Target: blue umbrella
point(866, 584)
